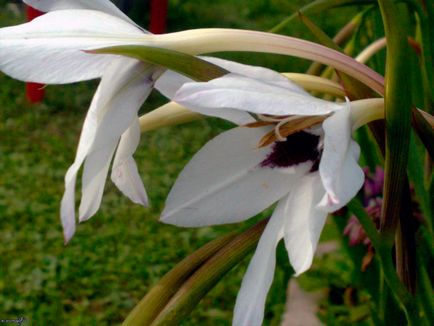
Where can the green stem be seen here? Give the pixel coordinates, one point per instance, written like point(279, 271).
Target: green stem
point(151, 305)
point(208, 275)
point(407, 303)
point(365, 220)
point(382, 297)
point(425, 290)
point(383, 252)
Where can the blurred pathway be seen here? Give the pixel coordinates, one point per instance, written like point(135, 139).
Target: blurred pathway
point(301, 306)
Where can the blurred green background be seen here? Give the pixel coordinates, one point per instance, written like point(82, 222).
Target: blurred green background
point(123, 250)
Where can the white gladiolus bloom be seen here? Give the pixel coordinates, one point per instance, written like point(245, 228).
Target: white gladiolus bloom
point(50, 50)
point(308, 173)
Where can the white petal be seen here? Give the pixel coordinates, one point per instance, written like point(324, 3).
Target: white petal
point(250, 304)
point(49, 49)
point(125, 174)
point(224, 183)
point(304, 221)
point(235, 92)
point(122, 91)
point(67, 206)
point(95, 172)
point(259, 73)
point(340, 172)
point(100, 5)
point(170, 82)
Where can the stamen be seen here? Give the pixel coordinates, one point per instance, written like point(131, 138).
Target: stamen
point(257, 124)
point(280, 124)
point(289, 126)
point(279, 137)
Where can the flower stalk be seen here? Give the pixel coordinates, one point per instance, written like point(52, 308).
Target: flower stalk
point(371, 50)
point(210, 40)
point(170, 114)
point(205, 278)
point(157, 298)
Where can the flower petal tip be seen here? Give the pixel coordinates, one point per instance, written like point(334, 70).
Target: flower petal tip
point(303, 268)
point(164, 218)
point(143, 201)
point(140, 198)
point(84, 216)
point(67, 236)
point(329, 201)
point(332, 200)
point(169, 218)
point(90, 51)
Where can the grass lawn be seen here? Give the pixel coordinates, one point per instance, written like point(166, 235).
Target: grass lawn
point(123, 250)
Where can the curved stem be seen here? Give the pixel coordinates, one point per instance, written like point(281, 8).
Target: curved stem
point(371, 50)
point(156, 299)
point(217, 40)
point(170, 114)
point(205, 278)
point(365, 111)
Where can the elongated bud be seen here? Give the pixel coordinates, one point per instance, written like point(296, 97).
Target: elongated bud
point(170, 114)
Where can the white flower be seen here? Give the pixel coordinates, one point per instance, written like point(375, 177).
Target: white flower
point(310, 174)
point(50, 50)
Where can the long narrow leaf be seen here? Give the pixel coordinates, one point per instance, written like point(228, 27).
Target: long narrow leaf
point(354, 89)
point(152, 304)
point(317, 7)
point(396, 209)
point(185, 64)
point(398, 116)
point(205, 278)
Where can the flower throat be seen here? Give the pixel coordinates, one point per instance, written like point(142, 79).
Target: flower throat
point(298, 148)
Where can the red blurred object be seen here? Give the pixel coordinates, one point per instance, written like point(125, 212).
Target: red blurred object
point(158, 22)
point(158, 19)
point(32, 13)
point(34, 92)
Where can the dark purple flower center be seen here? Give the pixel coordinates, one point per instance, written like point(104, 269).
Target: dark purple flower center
point(298, 148)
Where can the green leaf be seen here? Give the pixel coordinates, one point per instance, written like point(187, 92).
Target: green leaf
point(151, 305)
point(423, 124)
point(425, 37)
point(416, 175)
point(188, 65)
point(398, 116)
point(353, 88)
point(208, 275)
point(318, 7)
